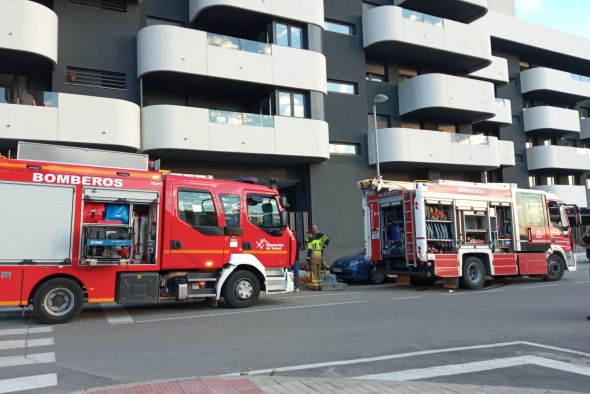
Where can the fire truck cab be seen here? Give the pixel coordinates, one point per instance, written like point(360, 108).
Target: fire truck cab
point(465, 231)
point(75, 233)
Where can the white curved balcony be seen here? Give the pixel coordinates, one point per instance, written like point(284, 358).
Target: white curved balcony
point(170, 127)
point(409, 147)
point(570, 194)
point(307, 11)
point(72, 118)
point(409, 36)
point(29, 27)
point(547, 83)
point(503, 115)
point(446, 96)
point(558, 158)
point(551, 120)
point(460, 10)
point(497, 72)
point(163, 48)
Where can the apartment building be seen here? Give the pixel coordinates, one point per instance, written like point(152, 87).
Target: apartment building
point(286, 89)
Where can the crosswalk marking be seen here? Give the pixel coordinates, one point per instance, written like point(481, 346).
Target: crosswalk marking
point(116, 314)
point(35, 358)
point(23, 331)
point(20, 343)
point(28, 383)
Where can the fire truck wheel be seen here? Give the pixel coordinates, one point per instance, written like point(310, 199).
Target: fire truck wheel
point(555, 268)
point(241, 289)
point(58, 301)
point(474, 273)
point(376, 278)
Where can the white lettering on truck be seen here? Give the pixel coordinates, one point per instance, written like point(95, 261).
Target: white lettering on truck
point(77, 180)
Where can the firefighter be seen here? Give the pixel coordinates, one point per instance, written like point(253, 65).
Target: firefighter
point(324, 240)
point(314, 260)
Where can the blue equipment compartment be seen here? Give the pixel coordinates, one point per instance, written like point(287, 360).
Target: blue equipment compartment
point(108, 242)
point(118, 212)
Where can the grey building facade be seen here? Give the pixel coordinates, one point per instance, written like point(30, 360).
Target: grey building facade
point(285, 89)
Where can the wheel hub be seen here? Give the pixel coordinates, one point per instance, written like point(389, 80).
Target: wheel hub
point(59, 302)
point(244, 289)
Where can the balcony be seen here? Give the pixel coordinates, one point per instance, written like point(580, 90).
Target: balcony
point(447, 97)
point(503, 116)
point(171, 127)
point(174, 49)
point(552, 157)
point(549, 84)
point(548, 120)
point(401, 147)
point(497, 72)
point(585, 128)
point(70, 118)
point(28, 27)
point(411, 37)
point(306, 11)
point(460, 10)
point(570, 194)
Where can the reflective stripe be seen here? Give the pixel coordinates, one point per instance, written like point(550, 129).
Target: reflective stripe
point(92, 300)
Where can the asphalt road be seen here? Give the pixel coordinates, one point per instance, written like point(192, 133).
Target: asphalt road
point(523, 333)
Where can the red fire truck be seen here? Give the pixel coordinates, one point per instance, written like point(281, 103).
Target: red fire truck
point(464, 232)
point(75, 233)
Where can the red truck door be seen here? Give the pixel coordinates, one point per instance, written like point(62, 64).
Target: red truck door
point(264, 237)
point(194, 236)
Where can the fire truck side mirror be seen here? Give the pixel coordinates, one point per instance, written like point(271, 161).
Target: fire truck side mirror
point(283, 201)
point(284, 219)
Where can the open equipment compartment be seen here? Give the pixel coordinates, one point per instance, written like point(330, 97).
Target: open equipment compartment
point(392, 228)
point(440, 227)
point(119, 227)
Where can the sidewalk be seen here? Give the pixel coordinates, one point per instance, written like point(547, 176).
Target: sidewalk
point(300, 385)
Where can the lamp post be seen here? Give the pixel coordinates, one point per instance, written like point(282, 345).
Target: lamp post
point(380, 98)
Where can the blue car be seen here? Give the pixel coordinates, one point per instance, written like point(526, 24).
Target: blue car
point(355, 268)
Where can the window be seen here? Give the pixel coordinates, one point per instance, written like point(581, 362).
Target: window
point(515, 119)
point(288, 35)
point(339, 27)
point(410, 124)
point(584, 112)
point(421, 17)
point(513, 80)
point(549, 180)
point(572, 180)
point(292, 104)
point(531, 213)
point(406, 73)
point(375, 71)
point(526, 103)
point(197, 208)
point(342, 87)
point(532, 181)
point(96, 78)
point(337, 148)
point(383, 122)
point(518, 158)
point(111, 5)
point(529, 143)
point(230, 204)
point(263, 212)
point(587, 183)
point(524, 65)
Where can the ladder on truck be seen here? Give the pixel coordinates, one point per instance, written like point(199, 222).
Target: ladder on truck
point(409, 228)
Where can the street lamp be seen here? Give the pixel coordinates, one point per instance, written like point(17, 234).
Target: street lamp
point(380, 98)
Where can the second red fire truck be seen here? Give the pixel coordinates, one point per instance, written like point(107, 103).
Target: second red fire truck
point(461, 231)
point(75, 233)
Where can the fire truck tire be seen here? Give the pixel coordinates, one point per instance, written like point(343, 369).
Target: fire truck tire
point(376, 278)
point(241, 289)
point(58, 301)
point(555, 268)
point(474, 273)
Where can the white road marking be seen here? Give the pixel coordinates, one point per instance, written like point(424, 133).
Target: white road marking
point(24, 331)
point(313, 295)
point(36, 358)
point(28, 383)
point(406, 355)
point(478, 366)
point(405, 298)
point(489, 291)
point(580, 283)
point(454, 293)
point(116, 314)
point(21, 343)
point(536, 287)
point(241, 312)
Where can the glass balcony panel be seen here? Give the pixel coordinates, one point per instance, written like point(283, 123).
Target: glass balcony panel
point(471, 139)
point(25, 97)
point(241, 119)
point(218, 40)
point(432, 20)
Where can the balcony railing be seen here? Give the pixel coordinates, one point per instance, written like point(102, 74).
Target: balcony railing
point(423, 18)
point(239, 118)
point(228, 42)
point(25, 97)
point(470, 139)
